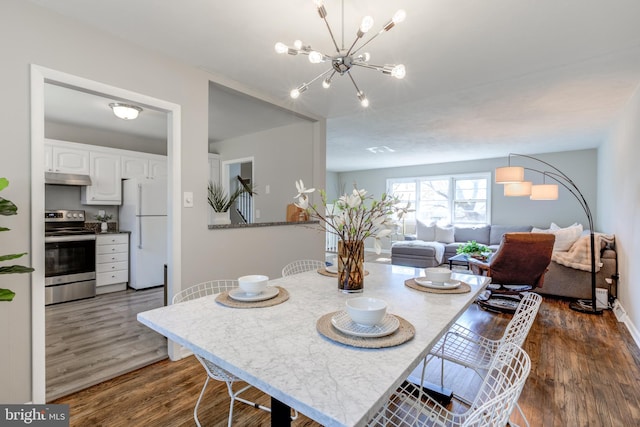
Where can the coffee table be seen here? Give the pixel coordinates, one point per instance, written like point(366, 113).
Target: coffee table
point(459, 259)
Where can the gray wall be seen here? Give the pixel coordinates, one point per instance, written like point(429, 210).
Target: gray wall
point(580, 166)
point(619, 207)
point(32, 35)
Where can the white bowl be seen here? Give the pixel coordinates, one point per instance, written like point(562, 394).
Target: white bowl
point(366, 311)
point(253, 284)
point(437, 274)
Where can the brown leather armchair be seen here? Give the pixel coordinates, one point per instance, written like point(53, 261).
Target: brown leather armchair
point(519, 264)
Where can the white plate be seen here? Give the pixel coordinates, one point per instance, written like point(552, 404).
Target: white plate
point(342, 322)
point(332, 268)
point(451, 284)
point(240, 295)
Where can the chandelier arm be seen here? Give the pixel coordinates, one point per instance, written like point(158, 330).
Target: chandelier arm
point(369, 66)
point(318, 76)
point(368, 41)
point(352, 45)
point(333, 39)
point(354, 83)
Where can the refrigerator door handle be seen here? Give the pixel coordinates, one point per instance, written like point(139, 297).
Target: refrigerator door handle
point(140, 216)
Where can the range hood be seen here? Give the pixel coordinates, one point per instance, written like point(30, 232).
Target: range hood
point(66, 179)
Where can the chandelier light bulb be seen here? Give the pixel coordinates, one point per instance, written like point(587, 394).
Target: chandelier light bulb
point(297, 44)
point(281, 48)
point(399, 16)
point(326, 83)
point(363, 99)
point(315, 57)
point(367, 24)
point(366, 56)
point(399, 71)
point(295, 93)
point(318, 3)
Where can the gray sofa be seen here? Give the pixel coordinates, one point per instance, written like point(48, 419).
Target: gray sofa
point(559, 280)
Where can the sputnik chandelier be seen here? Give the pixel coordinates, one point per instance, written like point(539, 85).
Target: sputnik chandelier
point(344, 59)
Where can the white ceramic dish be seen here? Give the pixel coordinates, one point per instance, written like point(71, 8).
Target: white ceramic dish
point(437, 274)
point(253, 284)
point(451, 284)
point(240, 295)
point(366, 311)
point(342, 322)
point(332, 268)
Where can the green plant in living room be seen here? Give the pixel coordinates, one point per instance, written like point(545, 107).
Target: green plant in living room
point(8, 208)
point(220, 201)
point(474, 250)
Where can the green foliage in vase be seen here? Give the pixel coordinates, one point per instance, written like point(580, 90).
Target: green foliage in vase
point(220, 201)
point(8, 208)
point(473, 248)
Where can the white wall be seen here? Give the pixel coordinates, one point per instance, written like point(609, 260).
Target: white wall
point(619, 207)
point(280, 157)
point(31, 35)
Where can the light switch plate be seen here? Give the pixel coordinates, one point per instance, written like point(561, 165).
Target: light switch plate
point(188, 199)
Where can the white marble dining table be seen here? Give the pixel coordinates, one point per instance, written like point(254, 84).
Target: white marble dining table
point(278, 349)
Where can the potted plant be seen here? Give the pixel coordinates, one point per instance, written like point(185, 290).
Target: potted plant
point(474, 250)
point(8, 208)
point(221, 202)
point(103, 221)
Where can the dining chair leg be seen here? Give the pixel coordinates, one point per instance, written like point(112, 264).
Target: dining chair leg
point(195, 410)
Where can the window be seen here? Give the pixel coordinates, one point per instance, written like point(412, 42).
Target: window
point(450, 199)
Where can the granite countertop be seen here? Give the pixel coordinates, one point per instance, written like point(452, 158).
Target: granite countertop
point(260, 224)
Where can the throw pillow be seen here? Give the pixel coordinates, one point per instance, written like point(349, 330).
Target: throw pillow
point(445, 234)
point(565, 237)
point(425, 232)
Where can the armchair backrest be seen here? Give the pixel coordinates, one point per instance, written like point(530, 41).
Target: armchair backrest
point(521, 258)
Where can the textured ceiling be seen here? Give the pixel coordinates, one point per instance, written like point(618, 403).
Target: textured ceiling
point(484, 78)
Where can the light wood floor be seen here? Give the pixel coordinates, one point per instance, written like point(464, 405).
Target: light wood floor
point(586, 372)
point(96, 339)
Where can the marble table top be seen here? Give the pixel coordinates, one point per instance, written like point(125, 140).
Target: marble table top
point(278, 349)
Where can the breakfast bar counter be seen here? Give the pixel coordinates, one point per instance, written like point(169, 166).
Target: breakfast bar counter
point(279, 350)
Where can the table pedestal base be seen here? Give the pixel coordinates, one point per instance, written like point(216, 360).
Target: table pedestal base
point(280, 414)
point(440, 394)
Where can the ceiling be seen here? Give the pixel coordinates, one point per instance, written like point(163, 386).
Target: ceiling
point(484, 78)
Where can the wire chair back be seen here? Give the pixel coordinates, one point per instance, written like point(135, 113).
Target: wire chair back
point(302, 265)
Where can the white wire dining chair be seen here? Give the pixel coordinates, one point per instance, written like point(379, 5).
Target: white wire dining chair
point(467, 348)
point(492, 406)
point(301, 265)
point(214, 371)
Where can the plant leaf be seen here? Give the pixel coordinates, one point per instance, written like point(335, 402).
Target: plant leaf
point(11, 256)
point(7, 207)
point(4, 183)
point(11, 269)
point(6, 295)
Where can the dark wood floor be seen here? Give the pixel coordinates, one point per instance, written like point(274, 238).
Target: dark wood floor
point(92, 340)
point(586, 372)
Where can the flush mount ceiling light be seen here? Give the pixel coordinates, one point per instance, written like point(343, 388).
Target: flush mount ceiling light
point(125, 111)
point(344, 59)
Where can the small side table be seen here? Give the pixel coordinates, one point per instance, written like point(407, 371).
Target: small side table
point(459, 259)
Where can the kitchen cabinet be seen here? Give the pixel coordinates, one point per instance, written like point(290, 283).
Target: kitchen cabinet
point(106, 188)
point(143, 166)
point(112, 262)
point(62, 157)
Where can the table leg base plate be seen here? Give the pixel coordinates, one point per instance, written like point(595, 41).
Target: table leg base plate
point(439, 394)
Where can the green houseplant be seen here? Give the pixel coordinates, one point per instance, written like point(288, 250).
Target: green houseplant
point(221, 202)
point(474, 250)
point(8, 208)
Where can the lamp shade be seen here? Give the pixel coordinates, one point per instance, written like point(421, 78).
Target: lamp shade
point(509, 174)
point(515, 189)
point(125, 111)
point(544, 192)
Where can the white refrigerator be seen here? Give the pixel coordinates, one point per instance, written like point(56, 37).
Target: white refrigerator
point(144, 213)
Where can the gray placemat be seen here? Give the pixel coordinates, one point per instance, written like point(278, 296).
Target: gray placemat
point(462, 289)
point(405, 332)
point(224, 299)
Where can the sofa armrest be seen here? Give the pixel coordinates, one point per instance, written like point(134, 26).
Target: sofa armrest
point(410, 237)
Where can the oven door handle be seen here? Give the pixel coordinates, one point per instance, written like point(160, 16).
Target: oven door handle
point(75, 238)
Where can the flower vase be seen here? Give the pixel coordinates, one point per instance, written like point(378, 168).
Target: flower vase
point(351, 266)
point(104, 227)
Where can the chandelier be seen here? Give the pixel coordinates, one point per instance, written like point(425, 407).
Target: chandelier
point(344, 60)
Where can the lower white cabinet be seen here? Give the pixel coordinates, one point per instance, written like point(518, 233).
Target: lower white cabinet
point(112, 262)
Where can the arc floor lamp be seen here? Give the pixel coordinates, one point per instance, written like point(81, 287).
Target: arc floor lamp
point(515, 185)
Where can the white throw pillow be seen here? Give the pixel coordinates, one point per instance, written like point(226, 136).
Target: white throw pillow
point(565, 237)
point(425, 232)
point(445, 234)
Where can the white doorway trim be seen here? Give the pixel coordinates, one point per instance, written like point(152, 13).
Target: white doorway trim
point(40, 76)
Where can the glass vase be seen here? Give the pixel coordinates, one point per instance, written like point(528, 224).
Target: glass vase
point(351, 266)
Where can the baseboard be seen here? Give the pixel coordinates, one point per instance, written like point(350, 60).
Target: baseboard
point(622, 317)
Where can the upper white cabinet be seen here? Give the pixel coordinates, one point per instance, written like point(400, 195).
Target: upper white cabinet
point(61, 158)
point(144, 166)
point(106, 188)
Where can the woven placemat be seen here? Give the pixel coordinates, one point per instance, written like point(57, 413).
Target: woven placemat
point(224, 299)
point(405, 332)
point(462, 289)
point(324, 272)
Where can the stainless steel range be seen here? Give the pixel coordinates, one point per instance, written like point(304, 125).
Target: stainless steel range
point(70, 257)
